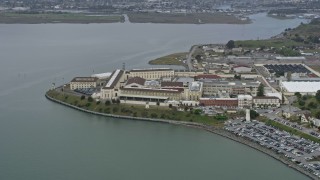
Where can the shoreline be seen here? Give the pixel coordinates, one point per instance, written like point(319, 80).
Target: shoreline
point(134, 18)
point(218, 131)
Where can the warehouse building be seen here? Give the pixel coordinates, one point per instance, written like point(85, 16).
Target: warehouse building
point(305, 88)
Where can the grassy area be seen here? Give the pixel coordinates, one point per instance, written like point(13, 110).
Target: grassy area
point(268, 43)
point(172, 59)
point(292, 130)
point(305, 30)
point(136, 110)
point(306, 35)
point(195, 18)
point(287, 129)
point(308, 103)
point(36, 18)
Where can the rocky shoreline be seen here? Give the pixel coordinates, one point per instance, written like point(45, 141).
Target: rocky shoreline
point(211, 129)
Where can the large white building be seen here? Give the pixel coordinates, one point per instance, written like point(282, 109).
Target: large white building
point(291, 87)
point(242, 69)
point(244, 101)
point(266, 102)
point(112, 88)
point(83, 83)
point(152, 74)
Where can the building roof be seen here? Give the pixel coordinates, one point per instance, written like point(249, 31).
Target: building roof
point(244, 97)
point(231, 83)
point(154, 90)
point(291, 58)
point(102, 75)
point(265, 97)
point(171, 84)
point(241, 66)
point(114, 79)
point(220, 99)
point(143, 96)
point(195, 86)
point(151, 69)
point(301, 86)
point(84, 79)
point(207, 76)
point(137, 80)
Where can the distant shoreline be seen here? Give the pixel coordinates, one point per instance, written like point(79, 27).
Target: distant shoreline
point(84, 18)
point(211, 129)
point(54, 18)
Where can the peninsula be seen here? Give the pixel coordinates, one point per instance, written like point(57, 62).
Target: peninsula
point(259, 94)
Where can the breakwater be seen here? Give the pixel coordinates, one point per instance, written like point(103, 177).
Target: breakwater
point(219, 131)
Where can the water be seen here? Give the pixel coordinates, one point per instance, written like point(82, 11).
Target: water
point(43, 140)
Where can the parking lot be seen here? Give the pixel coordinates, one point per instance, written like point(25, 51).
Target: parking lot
point(273, 115)
point(282, 68)
point(298, 150)
point(86, 91)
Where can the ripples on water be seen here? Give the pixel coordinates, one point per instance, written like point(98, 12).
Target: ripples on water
point(43, 140)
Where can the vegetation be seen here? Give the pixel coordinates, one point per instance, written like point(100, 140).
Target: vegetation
point(292, 130)
point(36, 18)
point(253, 114)
point(194, 18)
point(306, 35)
point(191, 115)
point(230, 44)
point(260, 90)
point(267, 43)
point(172, 59)
point(308, 102)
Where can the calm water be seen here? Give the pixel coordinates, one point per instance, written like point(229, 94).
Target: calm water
point(43, 140)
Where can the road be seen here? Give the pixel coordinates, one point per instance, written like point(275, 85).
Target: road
point(274, 115)
point(190, 67)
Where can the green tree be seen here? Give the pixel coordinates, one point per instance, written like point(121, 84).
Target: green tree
point(198, 57)
point(312, 105)
point(107, 103)
point(237, 76)
point(301, 103)
point(305, 97)
point(260, 90)
point(298, 95)
point(318, 95)
point(230, 44)
point(221, 117)
point(253, 114)
point(90, 99)
point(197, 111)
point(82, 97)
point(318, 114)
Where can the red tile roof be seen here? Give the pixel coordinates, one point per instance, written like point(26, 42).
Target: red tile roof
point(137, 80)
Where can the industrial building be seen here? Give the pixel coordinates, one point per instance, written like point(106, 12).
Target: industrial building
point(303, 87)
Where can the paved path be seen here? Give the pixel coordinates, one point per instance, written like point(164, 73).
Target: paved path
point(190, 67)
